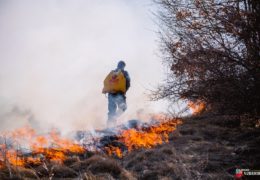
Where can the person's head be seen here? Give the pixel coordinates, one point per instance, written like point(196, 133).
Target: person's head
point(121, 65)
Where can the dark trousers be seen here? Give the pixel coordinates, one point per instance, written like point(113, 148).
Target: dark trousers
point(116, 106)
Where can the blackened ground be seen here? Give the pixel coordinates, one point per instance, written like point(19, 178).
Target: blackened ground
point(203, 147)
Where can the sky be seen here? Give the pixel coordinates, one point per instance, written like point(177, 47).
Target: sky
point(55, 54)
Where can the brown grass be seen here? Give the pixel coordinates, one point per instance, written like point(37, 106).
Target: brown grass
point(100, 166)
point(17, 173)
point(202, 148)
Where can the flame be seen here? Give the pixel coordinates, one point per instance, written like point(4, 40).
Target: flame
point(111, 150)
point(26, 131)
point(145, 137)
point(197, 107)
point(150, 137)
point(14, 158)
point(51, 147)
point(65, 144)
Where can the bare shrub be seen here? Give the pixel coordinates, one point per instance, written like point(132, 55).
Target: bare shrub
point(211, 49)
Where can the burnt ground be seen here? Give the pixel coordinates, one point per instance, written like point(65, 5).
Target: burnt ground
point(203, 147)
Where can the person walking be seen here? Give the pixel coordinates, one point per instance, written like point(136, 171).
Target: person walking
point(116, 84)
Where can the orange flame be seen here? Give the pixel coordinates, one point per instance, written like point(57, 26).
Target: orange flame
point(51, 147)
point(146, 137)
point(150, 137)
point(197, 107)
point(111, 150)
point(14, 158)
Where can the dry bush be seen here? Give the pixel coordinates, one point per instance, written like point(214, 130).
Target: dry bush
point(211, 49)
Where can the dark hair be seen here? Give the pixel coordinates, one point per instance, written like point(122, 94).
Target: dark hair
point(121, 64)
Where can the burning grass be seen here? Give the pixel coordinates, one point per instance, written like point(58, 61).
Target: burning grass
point(144, 137)
point(36, 148)
point(148, 137)
point(202, 148)
point(50, 154)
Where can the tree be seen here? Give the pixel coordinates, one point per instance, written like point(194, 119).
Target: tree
point(212, 48)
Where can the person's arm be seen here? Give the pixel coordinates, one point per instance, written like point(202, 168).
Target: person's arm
point(127, 77)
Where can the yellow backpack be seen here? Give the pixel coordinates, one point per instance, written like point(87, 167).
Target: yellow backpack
point(115, 82)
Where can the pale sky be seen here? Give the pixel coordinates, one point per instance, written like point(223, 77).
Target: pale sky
point(55, 54)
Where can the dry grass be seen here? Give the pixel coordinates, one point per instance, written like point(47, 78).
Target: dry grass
point(94, 168)
point(202, 148)
point(100, 166)
point(18, 173)
point(71, 160)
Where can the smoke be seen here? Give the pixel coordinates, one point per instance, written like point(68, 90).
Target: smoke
point(54, 56)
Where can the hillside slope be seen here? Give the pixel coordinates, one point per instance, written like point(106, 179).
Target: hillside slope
point(203, 147)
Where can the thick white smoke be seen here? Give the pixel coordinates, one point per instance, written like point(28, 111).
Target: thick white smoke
point(54, 56)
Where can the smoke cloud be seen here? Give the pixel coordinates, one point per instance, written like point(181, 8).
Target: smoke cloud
point(54, 56)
